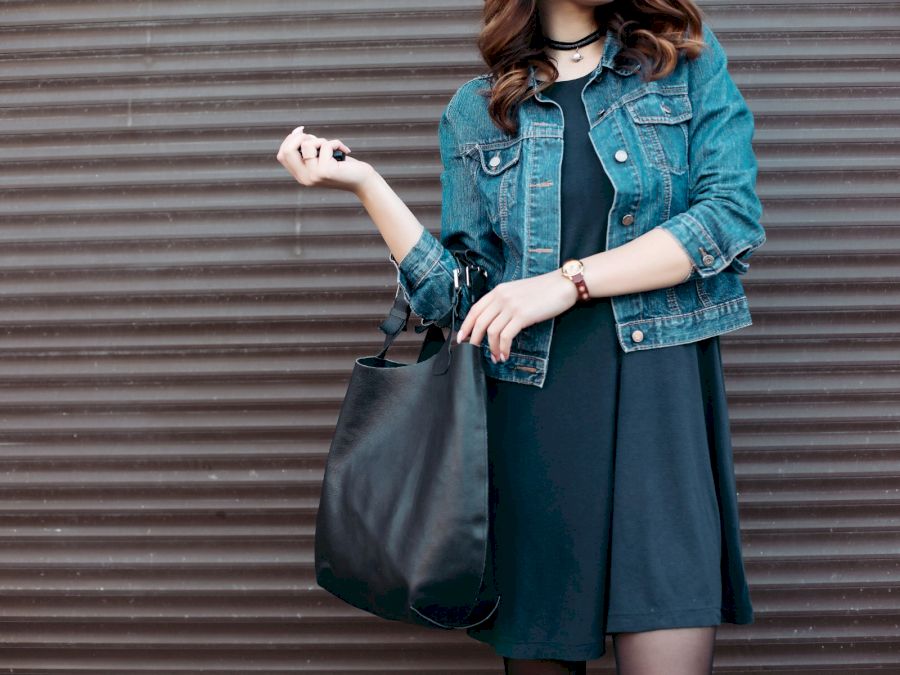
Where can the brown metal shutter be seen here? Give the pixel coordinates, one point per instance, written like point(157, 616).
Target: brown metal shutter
point(812, 383)
point(179, 319)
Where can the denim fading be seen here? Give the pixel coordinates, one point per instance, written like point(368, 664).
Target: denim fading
point(678, 153)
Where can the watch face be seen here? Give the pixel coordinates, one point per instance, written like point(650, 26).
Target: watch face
point(571, 267)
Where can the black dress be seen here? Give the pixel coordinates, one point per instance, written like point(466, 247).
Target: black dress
point(613, 504)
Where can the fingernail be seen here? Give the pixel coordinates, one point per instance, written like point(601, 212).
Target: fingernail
point(493, 359)
point(459, 336)
point(503, 357)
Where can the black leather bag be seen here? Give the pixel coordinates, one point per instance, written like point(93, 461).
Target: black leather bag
point(402, 524)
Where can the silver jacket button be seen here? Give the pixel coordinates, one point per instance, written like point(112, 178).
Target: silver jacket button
point(637, 336)
point(708, 259)
point(621, 155)
point(627, 219)
point(495, 161)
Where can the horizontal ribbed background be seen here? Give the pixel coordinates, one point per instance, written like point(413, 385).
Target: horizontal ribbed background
point(179, 319)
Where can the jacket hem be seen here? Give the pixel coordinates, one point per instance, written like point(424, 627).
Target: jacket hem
point(670, 330)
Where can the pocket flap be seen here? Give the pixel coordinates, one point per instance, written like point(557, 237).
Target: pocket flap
point(660, 108)
point(495, 160)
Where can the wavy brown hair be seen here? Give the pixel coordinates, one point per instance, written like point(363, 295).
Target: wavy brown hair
point(652, 33)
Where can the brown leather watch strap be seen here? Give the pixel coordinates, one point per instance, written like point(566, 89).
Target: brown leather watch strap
point(578, 280)
point(568, 270)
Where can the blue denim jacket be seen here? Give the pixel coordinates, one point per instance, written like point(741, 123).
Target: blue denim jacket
point(678, 153)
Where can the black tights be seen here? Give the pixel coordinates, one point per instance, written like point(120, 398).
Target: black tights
point(674, 651)
point(543, 667)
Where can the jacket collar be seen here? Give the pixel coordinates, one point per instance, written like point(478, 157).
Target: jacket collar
point(611, 47)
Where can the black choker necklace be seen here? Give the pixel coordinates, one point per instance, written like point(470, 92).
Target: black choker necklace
point(565, 46)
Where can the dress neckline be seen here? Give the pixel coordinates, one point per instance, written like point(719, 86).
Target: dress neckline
point(580, 78)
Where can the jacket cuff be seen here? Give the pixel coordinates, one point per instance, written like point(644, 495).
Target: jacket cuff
point(420, 260)
point(707, 258)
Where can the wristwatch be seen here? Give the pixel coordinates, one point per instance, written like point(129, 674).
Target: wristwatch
point(573, 270)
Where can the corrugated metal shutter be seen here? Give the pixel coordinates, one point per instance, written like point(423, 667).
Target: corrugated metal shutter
point(179, 319)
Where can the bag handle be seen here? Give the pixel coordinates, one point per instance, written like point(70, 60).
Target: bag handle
point(398, 316)
point(396, 321)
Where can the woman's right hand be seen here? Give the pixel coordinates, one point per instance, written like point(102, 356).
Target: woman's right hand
point(298, 155)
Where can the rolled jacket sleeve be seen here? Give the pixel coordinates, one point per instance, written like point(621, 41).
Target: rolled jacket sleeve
point(425, 273)
point(721, 228)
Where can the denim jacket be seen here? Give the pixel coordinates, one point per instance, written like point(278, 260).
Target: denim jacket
point(678, 153)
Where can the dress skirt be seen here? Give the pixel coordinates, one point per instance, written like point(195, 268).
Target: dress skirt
point(612, 492)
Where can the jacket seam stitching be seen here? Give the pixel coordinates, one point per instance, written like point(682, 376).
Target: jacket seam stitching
point(425, 274)
point(703, 310)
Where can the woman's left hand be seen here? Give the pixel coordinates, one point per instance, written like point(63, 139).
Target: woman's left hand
point(513, 305)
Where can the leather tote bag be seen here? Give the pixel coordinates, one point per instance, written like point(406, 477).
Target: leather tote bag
point(402, 524)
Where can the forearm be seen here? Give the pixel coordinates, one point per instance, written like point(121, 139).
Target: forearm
point(427, 264)
point(399, 228)
point(653, 260)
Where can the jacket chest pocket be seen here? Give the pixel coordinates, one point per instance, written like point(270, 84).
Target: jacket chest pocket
point(661, 119)
point(497, 175)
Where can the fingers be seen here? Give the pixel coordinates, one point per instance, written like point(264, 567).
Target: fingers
point(479, 316)
point(309, 161)
point(500, 335)
point(505, 337)
point(326, 153)
point(307, 156)
point(488, 319)
point(338, 144)
point(288, 153)
point(314, 156)
point(465, 327)
point(299, 137)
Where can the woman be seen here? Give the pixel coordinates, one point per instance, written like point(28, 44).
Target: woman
point(602, 174)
